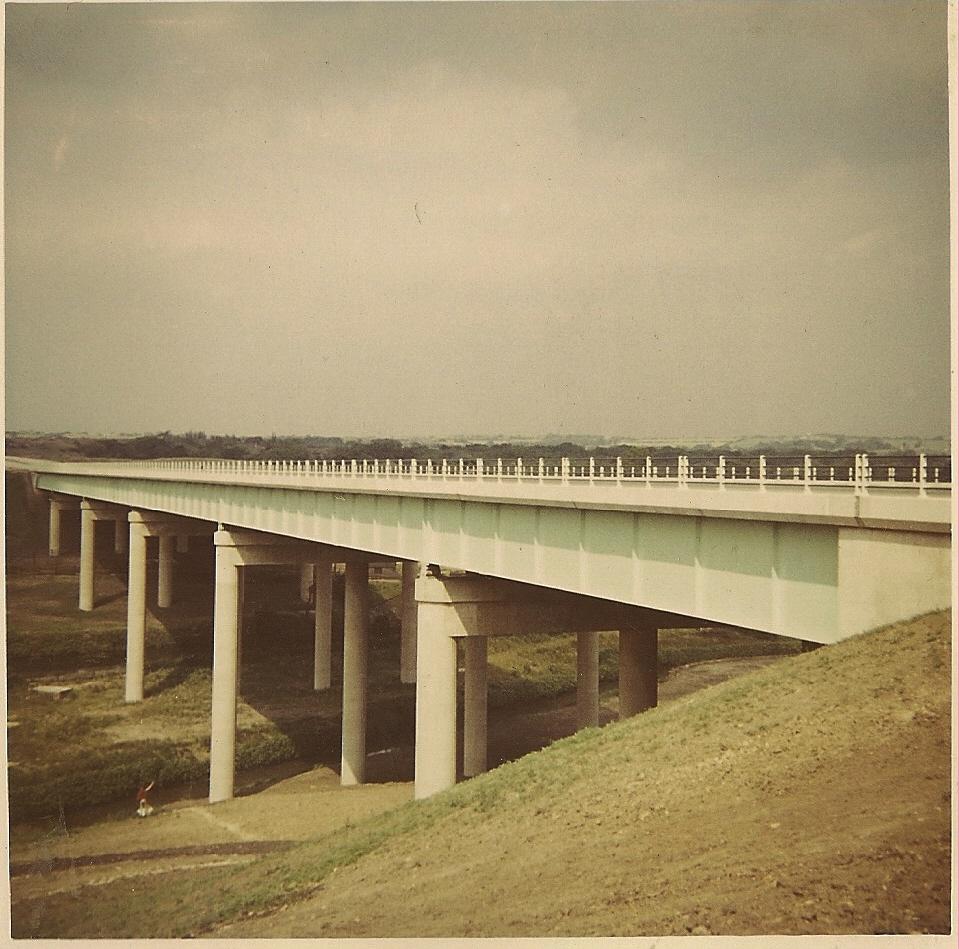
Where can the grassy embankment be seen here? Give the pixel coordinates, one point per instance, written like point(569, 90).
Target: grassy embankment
point(810, 797)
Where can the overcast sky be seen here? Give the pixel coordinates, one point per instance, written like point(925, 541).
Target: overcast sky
point(650, 219)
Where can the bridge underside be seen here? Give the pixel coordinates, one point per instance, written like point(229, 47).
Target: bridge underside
point(813, 581)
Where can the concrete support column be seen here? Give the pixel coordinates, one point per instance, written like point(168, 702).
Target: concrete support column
point(474, 706)
point(182, 543)
point(435, 703)
point(225, 663)
point(165, 577)
point(408, 622)
point(121, 531)
point(306, 581)
point(56, 510)
point(136, 612)
point(87, 556)
point(355, 634)
point(587, 680)
point(323, 626)
point(637, 670)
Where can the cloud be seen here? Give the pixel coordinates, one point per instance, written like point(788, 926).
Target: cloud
point(610, 201)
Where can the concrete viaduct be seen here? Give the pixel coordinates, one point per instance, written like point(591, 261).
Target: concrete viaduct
point(810, 551)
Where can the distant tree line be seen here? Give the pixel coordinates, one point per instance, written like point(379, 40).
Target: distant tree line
point(196, 444)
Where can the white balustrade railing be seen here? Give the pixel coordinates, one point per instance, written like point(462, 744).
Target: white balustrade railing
point(759, 471)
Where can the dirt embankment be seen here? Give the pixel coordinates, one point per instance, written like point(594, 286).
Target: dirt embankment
point(813, 797)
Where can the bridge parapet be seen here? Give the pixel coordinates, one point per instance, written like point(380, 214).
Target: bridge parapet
point(887, 492)
point(858, 471)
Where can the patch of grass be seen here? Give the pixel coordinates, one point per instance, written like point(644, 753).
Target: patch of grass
point(46, 633)
point(91, 774)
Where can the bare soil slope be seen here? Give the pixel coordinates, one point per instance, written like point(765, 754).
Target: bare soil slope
point(810, 797)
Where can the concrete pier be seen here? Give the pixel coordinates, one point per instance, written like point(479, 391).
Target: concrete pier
point(474, 705)
point(638, 687)
point(136, 611)
point(435, 703)
point(87, 556)
point(236, 550)
point(225, 667)
point(587, 680)
point(56, 512)
point(355, 646)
